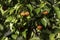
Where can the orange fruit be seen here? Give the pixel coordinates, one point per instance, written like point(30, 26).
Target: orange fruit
point(22, 13)
point(45, 12)
point(39, 27)
point(27, 13)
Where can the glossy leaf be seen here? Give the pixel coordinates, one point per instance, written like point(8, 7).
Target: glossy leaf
point(44, 21)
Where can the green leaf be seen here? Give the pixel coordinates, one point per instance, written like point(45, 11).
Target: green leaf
point(14, 36)
point(24, 23)
point(11, 19)
point(6, 38)
point(1, 27)
point(58, 14)
point(58, 2)
point(17, 32)
point(28, 17)
point(24, 33)
point(9, 1)
point(44, 21)
point(11, 10)
point(30, 7)
point(37, 10)
point(57, 31)
point(57, 10)
point(42, 5)
point(12, 27)
point(17, 6)
point(46, 8)
point(51, 37)
point(58, 36)
point(1, 10)
point(35, 38)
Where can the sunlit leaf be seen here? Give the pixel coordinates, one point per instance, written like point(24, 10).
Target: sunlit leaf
point(37, 10)
point(24, 33)
point(14, 36)
point(44, 21)
point(1, 27)
point(57, 10)
point(51, 37)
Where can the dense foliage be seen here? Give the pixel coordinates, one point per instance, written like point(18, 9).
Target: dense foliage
point(29, 20)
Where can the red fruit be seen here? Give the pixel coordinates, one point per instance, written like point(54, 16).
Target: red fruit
point(39, 27)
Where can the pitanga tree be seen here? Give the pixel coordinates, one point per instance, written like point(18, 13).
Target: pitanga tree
point(29, 20)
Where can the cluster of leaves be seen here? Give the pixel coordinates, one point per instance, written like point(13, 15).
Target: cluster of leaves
point(29, 20)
